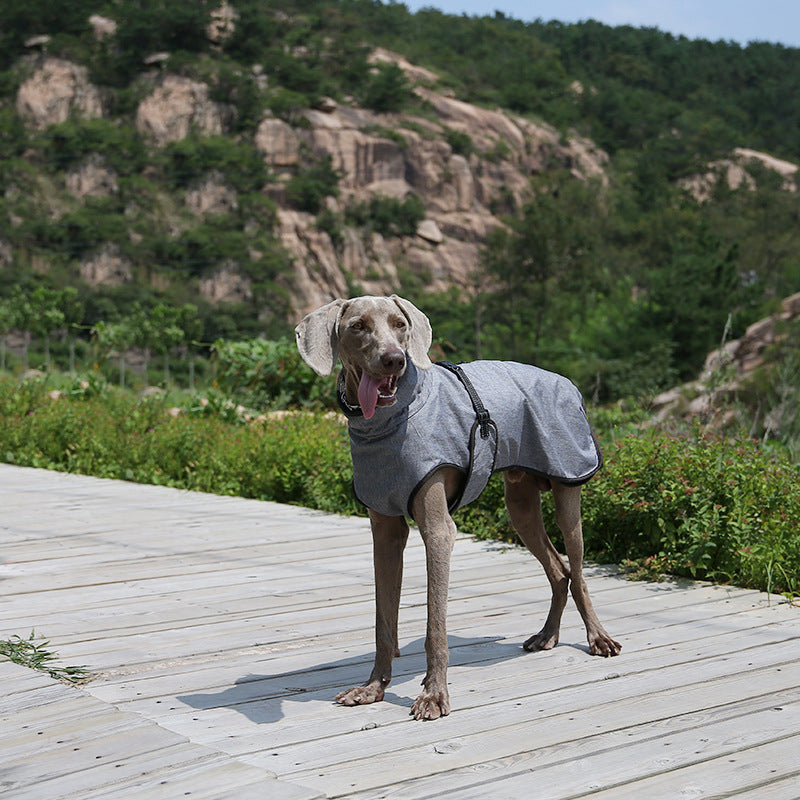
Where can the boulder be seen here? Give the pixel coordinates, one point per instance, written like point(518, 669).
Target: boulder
point(56, 90)
point(177, 106)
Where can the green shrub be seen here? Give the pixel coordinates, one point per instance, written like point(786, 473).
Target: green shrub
point(71, 141)
point(270, 374)
point(695, 506)
point(189, 159)
point(460, 142)
point(299, 458)
point(708, 508)
point(308, 189)
point(386, 89)
point(388, 216)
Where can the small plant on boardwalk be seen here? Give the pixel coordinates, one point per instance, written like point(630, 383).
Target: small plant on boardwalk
point(35, 655)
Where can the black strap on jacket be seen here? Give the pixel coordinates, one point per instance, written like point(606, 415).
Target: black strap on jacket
point(481, 412)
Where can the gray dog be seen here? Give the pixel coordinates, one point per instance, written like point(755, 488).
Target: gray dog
point(424, 444)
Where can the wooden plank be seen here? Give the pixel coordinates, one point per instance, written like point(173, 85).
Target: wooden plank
point(752, 770)
point(514, 722)
point(70, 745)
point(210, 621)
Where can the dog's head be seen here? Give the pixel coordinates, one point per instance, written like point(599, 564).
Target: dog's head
point(372, 336)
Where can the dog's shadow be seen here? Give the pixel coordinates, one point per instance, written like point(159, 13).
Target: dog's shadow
point(261, 697)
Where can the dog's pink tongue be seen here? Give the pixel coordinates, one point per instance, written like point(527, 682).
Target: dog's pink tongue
point(368, 394)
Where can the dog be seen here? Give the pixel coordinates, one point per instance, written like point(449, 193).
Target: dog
point(418, 454)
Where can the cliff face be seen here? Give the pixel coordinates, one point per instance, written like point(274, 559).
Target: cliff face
point(400, 154)
point(388, 154)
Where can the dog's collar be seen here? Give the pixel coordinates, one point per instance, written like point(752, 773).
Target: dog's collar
point(347, 409)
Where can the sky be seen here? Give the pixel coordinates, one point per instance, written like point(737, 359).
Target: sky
point(741, 21)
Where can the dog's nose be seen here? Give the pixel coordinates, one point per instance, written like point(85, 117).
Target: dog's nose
point(394, 360)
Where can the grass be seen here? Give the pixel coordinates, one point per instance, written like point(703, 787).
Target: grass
point(35, 655)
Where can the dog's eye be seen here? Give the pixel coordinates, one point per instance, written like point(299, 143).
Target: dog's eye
point(400, 324)
point(358, 325)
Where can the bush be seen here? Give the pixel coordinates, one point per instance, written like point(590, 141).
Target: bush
point(307, 190)
point(388, 215)
point(705, 507)
point(75, 139)
point(194, 157)
point(387, 89)
point(695, 506)
point(270, 374)
point(299, 458)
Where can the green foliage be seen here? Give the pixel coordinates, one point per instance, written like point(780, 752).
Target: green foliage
point(460, 142)
point(270, 374)
point(308, 189)
point(388, 216)
point(387, 89)
point(189, 159)
point(70, 142)
point(695, 506)
point(296, 458)
point(35, 655)
point(704, 507)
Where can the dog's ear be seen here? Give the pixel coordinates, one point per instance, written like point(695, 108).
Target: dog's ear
point(421, 334)
point(318, 337)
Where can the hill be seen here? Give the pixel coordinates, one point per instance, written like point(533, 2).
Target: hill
point(598, 200)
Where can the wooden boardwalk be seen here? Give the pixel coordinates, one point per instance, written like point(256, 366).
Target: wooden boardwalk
point(219, 629)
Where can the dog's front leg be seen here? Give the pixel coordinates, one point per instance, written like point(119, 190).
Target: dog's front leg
point(438, 532)
point(389, 536)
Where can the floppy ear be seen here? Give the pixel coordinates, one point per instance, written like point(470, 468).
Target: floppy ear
point(318, 337)
point(421, 334)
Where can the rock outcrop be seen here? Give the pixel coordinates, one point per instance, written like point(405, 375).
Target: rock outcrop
point(728, 368)
point(92, 178)
point(106, 268)
point(56, 90)
point(734, 171)
point(466, 164)
point(177, 106)
point(401, 154)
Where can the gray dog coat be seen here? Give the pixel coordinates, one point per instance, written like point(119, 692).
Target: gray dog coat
point(536, 422)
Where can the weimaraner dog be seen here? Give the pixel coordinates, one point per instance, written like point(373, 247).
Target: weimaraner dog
point(411, 459)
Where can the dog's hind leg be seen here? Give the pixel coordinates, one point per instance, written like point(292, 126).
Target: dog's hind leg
point(524, 504)
point(389, 536)
point(568, 517)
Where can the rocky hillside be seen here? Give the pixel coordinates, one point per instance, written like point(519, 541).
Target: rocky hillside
point(243, 162)
point(466, 164)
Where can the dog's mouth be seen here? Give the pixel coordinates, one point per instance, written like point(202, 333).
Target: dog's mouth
point(374, 392)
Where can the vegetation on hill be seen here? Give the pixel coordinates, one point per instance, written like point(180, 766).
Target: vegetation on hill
point(625, 287)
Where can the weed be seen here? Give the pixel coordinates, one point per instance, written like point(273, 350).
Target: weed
point(35, 655)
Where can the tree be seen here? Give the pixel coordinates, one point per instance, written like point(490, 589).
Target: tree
point(23, 319)
point(46, 317)
point(114, 339)
point(387, 88)
point(192, 327)
point(540, 264)
point(7, 318)
point(72, 307)
point(166, 332)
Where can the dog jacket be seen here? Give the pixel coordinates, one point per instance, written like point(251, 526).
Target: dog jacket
point(480, 417)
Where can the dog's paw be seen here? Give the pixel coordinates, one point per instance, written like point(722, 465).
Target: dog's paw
point(431, 705)
point(541, 641)
point(603, 645)
point(361, 695)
